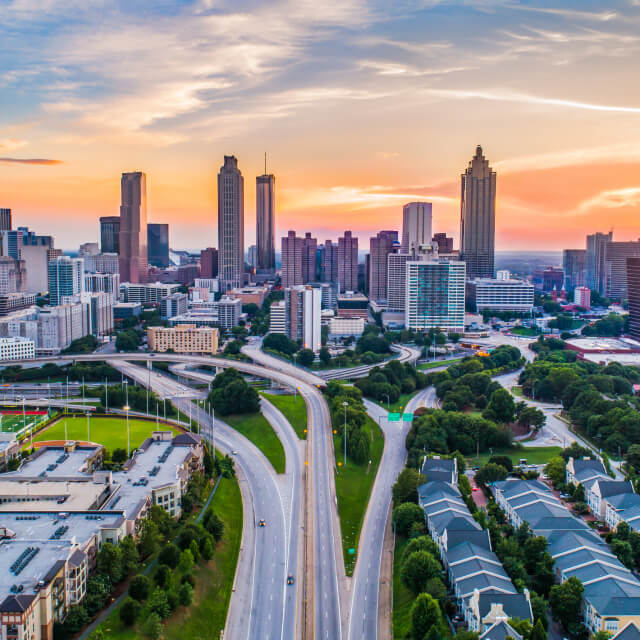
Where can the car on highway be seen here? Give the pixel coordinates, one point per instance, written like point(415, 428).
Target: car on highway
point(234, 453)
point(475, 489)
point(262, 523)
point(290, 579)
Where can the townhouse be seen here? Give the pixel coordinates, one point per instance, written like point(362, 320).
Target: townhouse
point(57, 511)
point(581, 470)
point(481, 587)
point(611, 596)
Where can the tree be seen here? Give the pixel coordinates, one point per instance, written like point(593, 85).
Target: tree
point(555, 470)
point(149, 539)
point(602, 635)
point(325, 356)
point(152, 626)
point(213, 525)
point(532, 417)
point(425, 614)
point(186, 561)
point(129, 611)
point(139, 588)
point(109, 562)
point(489, 473)
point(417, 569)
point(305, 357)
point(76, 619)
point(207, 548)
point(565, 600)
point(170, 555)
point(119, 455)
point(405, 515)
point(405, 488)
point(129, 555)
point(633, 456)
point(503, 461)
point(421, 543)
point(158, 603)
point(501, 407)
point(185, 594)
point(163, 576)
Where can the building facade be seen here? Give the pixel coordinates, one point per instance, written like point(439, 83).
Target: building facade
point(435, 295)
point(133, 227)
point(66, 279)
point(502, 295)
point(478, 217)
point(110, 234)
point(173, 305)
point(574, 264)
point(384, 243)
point(416, 226)
point(615, 256)
point(347, 262)
point(17, 349)
point(158, 244)
point(209, 263)
point(146, 293)
point(103, 283)
point(330, 262)
point(230, 224)
point(309, 258)
point(397, 280)
point(582, 297)
point(5, 220)
point(292, 251)
point(595, 265)
point(303, 310)
point(265, 222)
point(102, 263)
point(445, 244)
point(633, 283)
point(183, 338)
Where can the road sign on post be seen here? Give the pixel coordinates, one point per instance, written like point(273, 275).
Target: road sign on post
point(407, 417)
point(393, 417)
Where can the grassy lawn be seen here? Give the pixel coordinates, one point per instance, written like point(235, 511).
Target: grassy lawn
point(438, 363)
point(254, 427)
point(517, 391)
point(524, 331)
point(110, 432)
point(396, 407)
point(294, 410)
point(402, 597)
point(534, 455)
point(353, 488)
point(206, 617)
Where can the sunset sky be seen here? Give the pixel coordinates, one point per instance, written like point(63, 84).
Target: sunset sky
point(360, 106)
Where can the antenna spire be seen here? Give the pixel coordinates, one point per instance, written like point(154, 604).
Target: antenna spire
point(265, 163)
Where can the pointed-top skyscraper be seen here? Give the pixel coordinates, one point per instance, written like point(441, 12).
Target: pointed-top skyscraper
point(265, 221)
point(478, 217)
point(230, 225)
point(133, 227)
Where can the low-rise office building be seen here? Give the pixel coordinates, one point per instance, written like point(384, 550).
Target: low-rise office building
point(183, 338)
point(146, 293)
point(17, 348)
point(501, 294)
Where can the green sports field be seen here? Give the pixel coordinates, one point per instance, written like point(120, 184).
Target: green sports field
point(110, 432)
point(13, 422)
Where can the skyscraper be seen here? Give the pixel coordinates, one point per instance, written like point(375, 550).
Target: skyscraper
point(379, 249)
point(158, 244)
point(66, 278)
point(252, 256)
point(633, 281)
point(292, 249)
point(435, 295)
point(478, 217)
point(309, 256)
point(615, 258)
point(230, 225)
point(209, 263)
point(133, 227)
point(265, 222)
point(574, 265)
point(348, 262)
point(5, 219)
point(397, 281)
point(416, 226)
point(330, 262)
point(445, 244)
point(110, 234)
point(595, 262)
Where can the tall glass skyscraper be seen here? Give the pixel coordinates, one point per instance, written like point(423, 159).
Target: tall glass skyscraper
point(158, 244)
point(265, 222)
point(110, 234)
point(230, 225)
point(66, 278)
point(478, 218)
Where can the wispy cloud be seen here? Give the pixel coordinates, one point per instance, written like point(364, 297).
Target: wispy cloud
point(42, 161)
point(612, 199)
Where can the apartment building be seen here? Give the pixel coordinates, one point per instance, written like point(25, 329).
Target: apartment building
point(183, 338)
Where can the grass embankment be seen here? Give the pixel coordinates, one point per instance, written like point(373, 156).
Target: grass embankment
point(353, 488)
point(294, 410)
point(206, 617)
point(110, 432)
point(256, 428)
point(402, 597)
point(438, 363)
point(524, 331)
point(399, 405)
point(534, 455)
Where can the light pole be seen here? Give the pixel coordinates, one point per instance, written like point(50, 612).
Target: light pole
point(149, 383)
point(106, 396)
point(164, 402)
point(126, 408)
point(345, 405)
point(88, 428)
point(386, 394)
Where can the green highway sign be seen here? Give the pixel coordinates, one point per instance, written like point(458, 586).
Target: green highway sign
point(407, 417)
point(393, 417)
point(352, 552)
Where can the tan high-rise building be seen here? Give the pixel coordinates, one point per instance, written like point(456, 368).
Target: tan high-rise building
point(133, 227)
point(230, 225)
point(348, 262)
point(478, 218)
point(379, 249)
point(265, 222)
point(292, 250)
point(183, 338)
point(416, 226)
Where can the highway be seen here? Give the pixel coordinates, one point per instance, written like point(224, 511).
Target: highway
point(328, 562)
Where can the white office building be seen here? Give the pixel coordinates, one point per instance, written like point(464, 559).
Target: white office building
point(435, 295)
point(278, 317)
point(102, 263)
point(17, 348)
point(502, 294)
point(229, 311)
point(340, 327)
point(173, 305)
point(303, 313)
point(103, 283)
point(146, 293)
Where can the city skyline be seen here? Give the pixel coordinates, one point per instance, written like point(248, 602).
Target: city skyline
point(411, 75)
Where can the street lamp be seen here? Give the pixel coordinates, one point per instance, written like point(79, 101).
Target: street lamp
point(386, 394)
point(345, 405)
point(126, 408)
point(88, 428)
